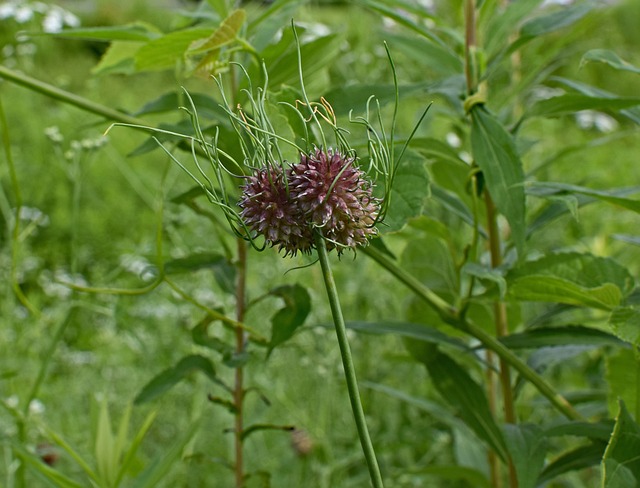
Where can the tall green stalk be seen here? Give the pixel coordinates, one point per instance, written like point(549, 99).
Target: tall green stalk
point(347, 363)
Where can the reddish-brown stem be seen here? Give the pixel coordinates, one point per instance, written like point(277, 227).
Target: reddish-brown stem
point(238, 390)
point(501, 322)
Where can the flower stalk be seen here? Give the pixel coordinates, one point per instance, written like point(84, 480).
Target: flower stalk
point(347, 362)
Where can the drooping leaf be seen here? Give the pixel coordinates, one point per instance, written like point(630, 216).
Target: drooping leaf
point(631, 113)
point(167, 379)
point(576, 459)
point(488, 274)
point(494, 151)
point(164, 52)
point(462, 392)
point(527, 446)
point(288, 319)
point(608, 57)
point(223, 35)
point(623, 379)
point(502, 24)
point(433, 56)
point(621, 463)
point(42, 470)
point(411, 187)
point(560, 336)
point(598, 431)
point(409, 330)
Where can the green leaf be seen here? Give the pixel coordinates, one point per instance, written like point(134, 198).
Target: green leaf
point(223, 271)
point(137, 31)
point(166, 380)
point(223, 35)
point(574, 102)
point(623, 379)
point(282, 59)
point(612, 196)
point(538, 288)
point(559, 19)
point(625, 323)
point(171, 101)
point(286, 320)
point(411, 186)
point(610, 58)
point(105, 448)
point(576, 459)
point(433, 56)
point(458, 389)
point(621, 463)
point(494, 151)
point(152, 476)
point(453, 473)
point(502, 24)
point(353, 97)
point(166, 51)
point(119, 58)
point(527, 446)
point(409, 330)
point(599, 431)
point(573, 335)
point(573, 278)
point(486, 273)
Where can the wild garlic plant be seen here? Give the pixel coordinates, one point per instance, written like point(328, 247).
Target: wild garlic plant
point(331, 197)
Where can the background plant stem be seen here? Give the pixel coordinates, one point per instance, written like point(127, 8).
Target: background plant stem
point(238, 390)
point(347, 362)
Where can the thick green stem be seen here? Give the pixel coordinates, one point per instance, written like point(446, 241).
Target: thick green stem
point(241, 337)
point(347, 362)
point(451, 316)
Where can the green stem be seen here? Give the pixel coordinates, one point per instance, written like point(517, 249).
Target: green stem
point(67, 97)
point(347, 362)
point(451, 316)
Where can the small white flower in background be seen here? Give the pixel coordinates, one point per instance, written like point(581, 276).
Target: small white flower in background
point(54, 17)
point(590, 119)
point(35, 215)
point(12, 401)
point(36, 407)
point(54, 134)
point(139, 266)
point(453, 140)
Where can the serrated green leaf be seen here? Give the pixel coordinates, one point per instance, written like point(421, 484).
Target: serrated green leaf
point(527, 446)
point(625, 323)
point(608, 57)
point(223, 35)
point(621, 463)
point(574, 102)
point(494, 151)
point(286, 321)
point(411, 186)
point(584, 278)
point(623, 379)
point(166, 51)
point(461, 391)
point(166, 380)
